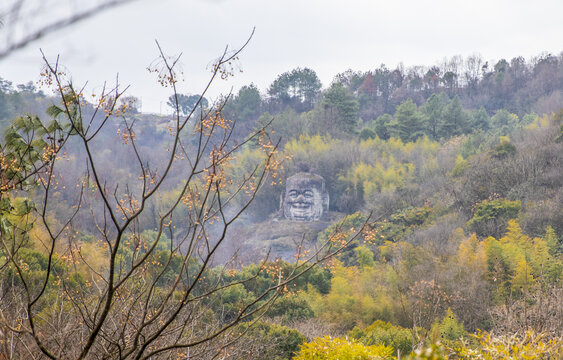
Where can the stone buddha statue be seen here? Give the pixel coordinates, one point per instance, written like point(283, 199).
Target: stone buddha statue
point(305, 197)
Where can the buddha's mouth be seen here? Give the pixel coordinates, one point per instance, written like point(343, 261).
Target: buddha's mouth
point(301, 205)
point(301, 211)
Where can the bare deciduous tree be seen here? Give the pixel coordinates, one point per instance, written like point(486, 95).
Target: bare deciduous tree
point(130, 294)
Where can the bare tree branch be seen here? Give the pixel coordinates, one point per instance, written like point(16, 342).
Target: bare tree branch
point(23, 21)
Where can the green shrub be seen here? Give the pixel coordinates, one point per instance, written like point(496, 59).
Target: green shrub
point(278, 342)
point(492, 215)
point(503, 150)
point(385, 333)
point(367, 133)
point(291, 307)
point(449, 331)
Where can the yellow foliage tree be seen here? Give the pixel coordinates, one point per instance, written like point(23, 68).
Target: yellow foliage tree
point(357, 296)
point(328, 348)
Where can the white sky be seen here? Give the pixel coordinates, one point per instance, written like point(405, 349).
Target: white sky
point(327, 36)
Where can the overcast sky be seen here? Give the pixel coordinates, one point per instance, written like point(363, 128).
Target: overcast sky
point(325, 35)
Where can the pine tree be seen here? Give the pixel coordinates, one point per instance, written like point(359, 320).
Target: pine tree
point(454, 120)
point(408, 123)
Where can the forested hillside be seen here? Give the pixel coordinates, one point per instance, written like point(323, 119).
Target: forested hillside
point(145, 234)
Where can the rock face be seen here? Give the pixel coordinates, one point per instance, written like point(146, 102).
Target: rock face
point(305, 197)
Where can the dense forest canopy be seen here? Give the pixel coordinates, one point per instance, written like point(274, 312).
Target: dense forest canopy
point(446, 217)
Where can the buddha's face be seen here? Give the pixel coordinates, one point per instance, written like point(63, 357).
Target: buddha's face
point(302, 202)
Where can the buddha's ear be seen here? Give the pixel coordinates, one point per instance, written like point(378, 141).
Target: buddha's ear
point(325, 200)
point(281, 211)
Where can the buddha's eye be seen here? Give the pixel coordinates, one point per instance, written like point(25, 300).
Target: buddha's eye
point(293, 194)
point(308, 194)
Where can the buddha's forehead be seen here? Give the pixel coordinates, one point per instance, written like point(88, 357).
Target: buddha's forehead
point(304, 181)
point(303, 184)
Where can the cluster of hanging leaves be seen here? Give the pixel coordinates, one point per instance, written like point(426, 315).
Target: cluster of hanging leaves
point(28, 149)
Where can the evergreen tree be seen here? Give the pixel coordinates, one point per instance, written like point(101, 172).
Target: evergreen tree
point(381, 126)
point(338, 100)
point(454, 119)
point(247, 103)
point(504, 121)
point(408, 123)
point(433, 111)
point(298, 88)
point(480, 120)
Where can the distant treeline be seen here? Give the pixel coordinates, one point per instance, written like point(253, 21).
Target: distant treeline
point(454, 97)
point(441, 101)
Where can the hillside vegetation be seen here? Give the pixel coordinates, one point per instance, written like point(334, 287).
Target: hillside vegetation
point(446, 187)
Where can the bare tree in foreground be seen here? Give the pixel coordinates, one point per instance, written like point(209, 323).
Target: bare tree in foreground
point(129, 295)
